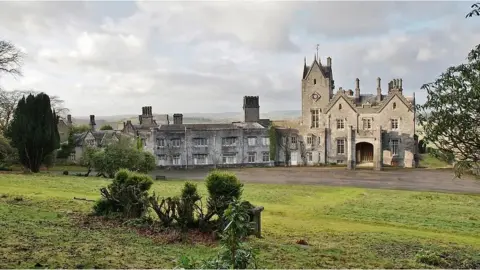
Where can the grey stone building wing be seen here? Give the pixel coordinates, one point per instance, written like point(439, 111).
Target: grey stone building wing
point(78, 138)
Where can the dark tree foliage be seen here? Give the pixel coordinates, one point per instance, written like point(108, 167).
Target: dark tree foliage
point(33, 131)
point(475, 10)
point(106, 127)
point(451, 115)
point(67, 148)
point(80, 129)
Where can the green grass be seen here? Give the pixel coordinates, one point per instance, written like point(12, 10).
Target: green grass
point(57, 168)
point(345, 227)
point(429, 161)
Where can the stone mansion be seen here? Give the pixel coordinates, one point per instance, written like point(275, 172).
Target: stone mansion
point(345, 127)
point(348, 127)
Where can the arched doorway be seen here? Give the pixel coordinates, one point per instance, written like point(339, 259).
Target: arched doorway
point(364, 152)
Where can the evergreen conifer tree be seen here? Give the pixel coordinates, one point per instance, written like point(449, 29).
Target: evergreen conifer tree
point(33, 131)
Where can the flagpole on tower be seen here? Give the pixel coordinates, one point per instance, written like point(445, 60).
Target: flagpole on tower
point(317, 50)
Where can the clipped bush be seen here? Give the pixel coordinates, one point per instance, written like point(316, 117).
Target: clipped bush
point(126, 195)
point(186, 205)
point(223, 188)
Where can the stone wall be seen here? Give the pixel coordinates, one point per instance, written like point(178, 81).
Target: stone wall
point(214, 148)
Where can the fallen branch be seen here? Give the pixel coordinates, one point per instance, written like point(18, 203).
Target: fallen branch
point(83, 199)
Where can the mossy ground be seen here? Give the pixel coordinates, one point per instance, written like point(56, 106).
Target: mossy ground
point(344, 227)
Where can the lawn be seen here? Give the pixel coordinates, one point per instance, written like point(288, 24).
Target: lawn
point(344, 227)
point(429, 161)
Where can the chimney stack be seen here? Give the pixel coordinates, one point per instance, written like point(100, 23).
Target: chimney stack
point(379, 89)
point(69, 119)
point(329, 62)
point(178, 119)
point(357, 88)
point(251, 108)
point(92, 122)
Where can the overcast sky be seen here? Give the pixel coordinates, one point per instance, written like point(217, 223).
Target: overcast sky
point(108, 58)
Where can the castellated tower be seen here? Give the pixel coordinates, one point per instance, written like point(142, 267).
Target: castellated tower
point(251, 108)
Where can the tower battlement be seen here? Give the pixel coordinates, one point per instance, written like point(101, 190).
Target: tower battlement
point(251, 102)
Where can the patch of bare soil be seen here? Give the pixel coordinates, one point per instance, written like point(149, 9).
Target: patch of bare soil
point(153, 230)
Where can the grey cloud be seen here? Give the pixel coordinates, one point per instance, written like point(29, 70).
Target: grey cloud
point(193, 57)
point(361, 18)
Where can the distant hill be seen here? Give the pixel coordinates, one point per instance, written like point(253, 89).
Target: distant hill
point(188, 118)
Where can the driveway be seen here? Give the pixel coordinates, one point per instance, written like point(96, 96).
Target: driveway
point(405, 179)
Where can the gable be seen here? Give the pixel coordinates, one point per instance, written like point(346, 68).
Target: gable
point(340, 98)
point(315, 67)
point(398, 99)
point(89, 136)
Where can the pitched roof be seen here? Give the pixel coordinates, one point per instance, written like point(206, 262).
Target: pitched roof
point(235, 125)
point(326, 71)
point(336, 97)
point(367, 103)
point(391, 95)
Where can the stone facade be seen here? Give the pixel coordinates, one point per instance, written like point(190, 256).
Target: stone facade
point(353, 128)
point(180, 145)
point(143, 129)
point(64, 128)
point(91, 138)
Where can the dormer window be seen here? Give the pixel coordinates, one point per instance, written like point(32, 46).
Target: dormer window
point(394, 106)
point(314, 81)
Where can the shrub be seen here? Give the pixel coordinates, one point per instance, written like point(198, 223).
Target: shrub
point(146, 162)
point(223, 188)
point(186, 205)
point(234, 253)
point(180, 209)
point(117, 155)
point(127, 195)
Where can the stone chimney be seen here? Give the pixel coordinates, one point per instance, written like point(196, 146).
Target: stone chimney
point(178, 119)
point(395, 84)
point(251, 108)
point(69, 120)
point(357, 88)
point(379, 89)
point(92, 123)
point(329, 62)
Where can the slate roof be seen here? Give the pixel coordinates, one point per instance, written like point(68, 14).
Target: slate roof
point(78, 138)
point(326, 70)
point(98, 135)
point(235, 125)
point(361, 105)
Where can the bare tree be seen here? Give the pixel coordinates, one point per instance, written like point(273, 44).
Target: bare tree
point(303, 152)
point(11, 58)
point(215, 155)
point(9, 101)
point(475, 10)
point(285, 143)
